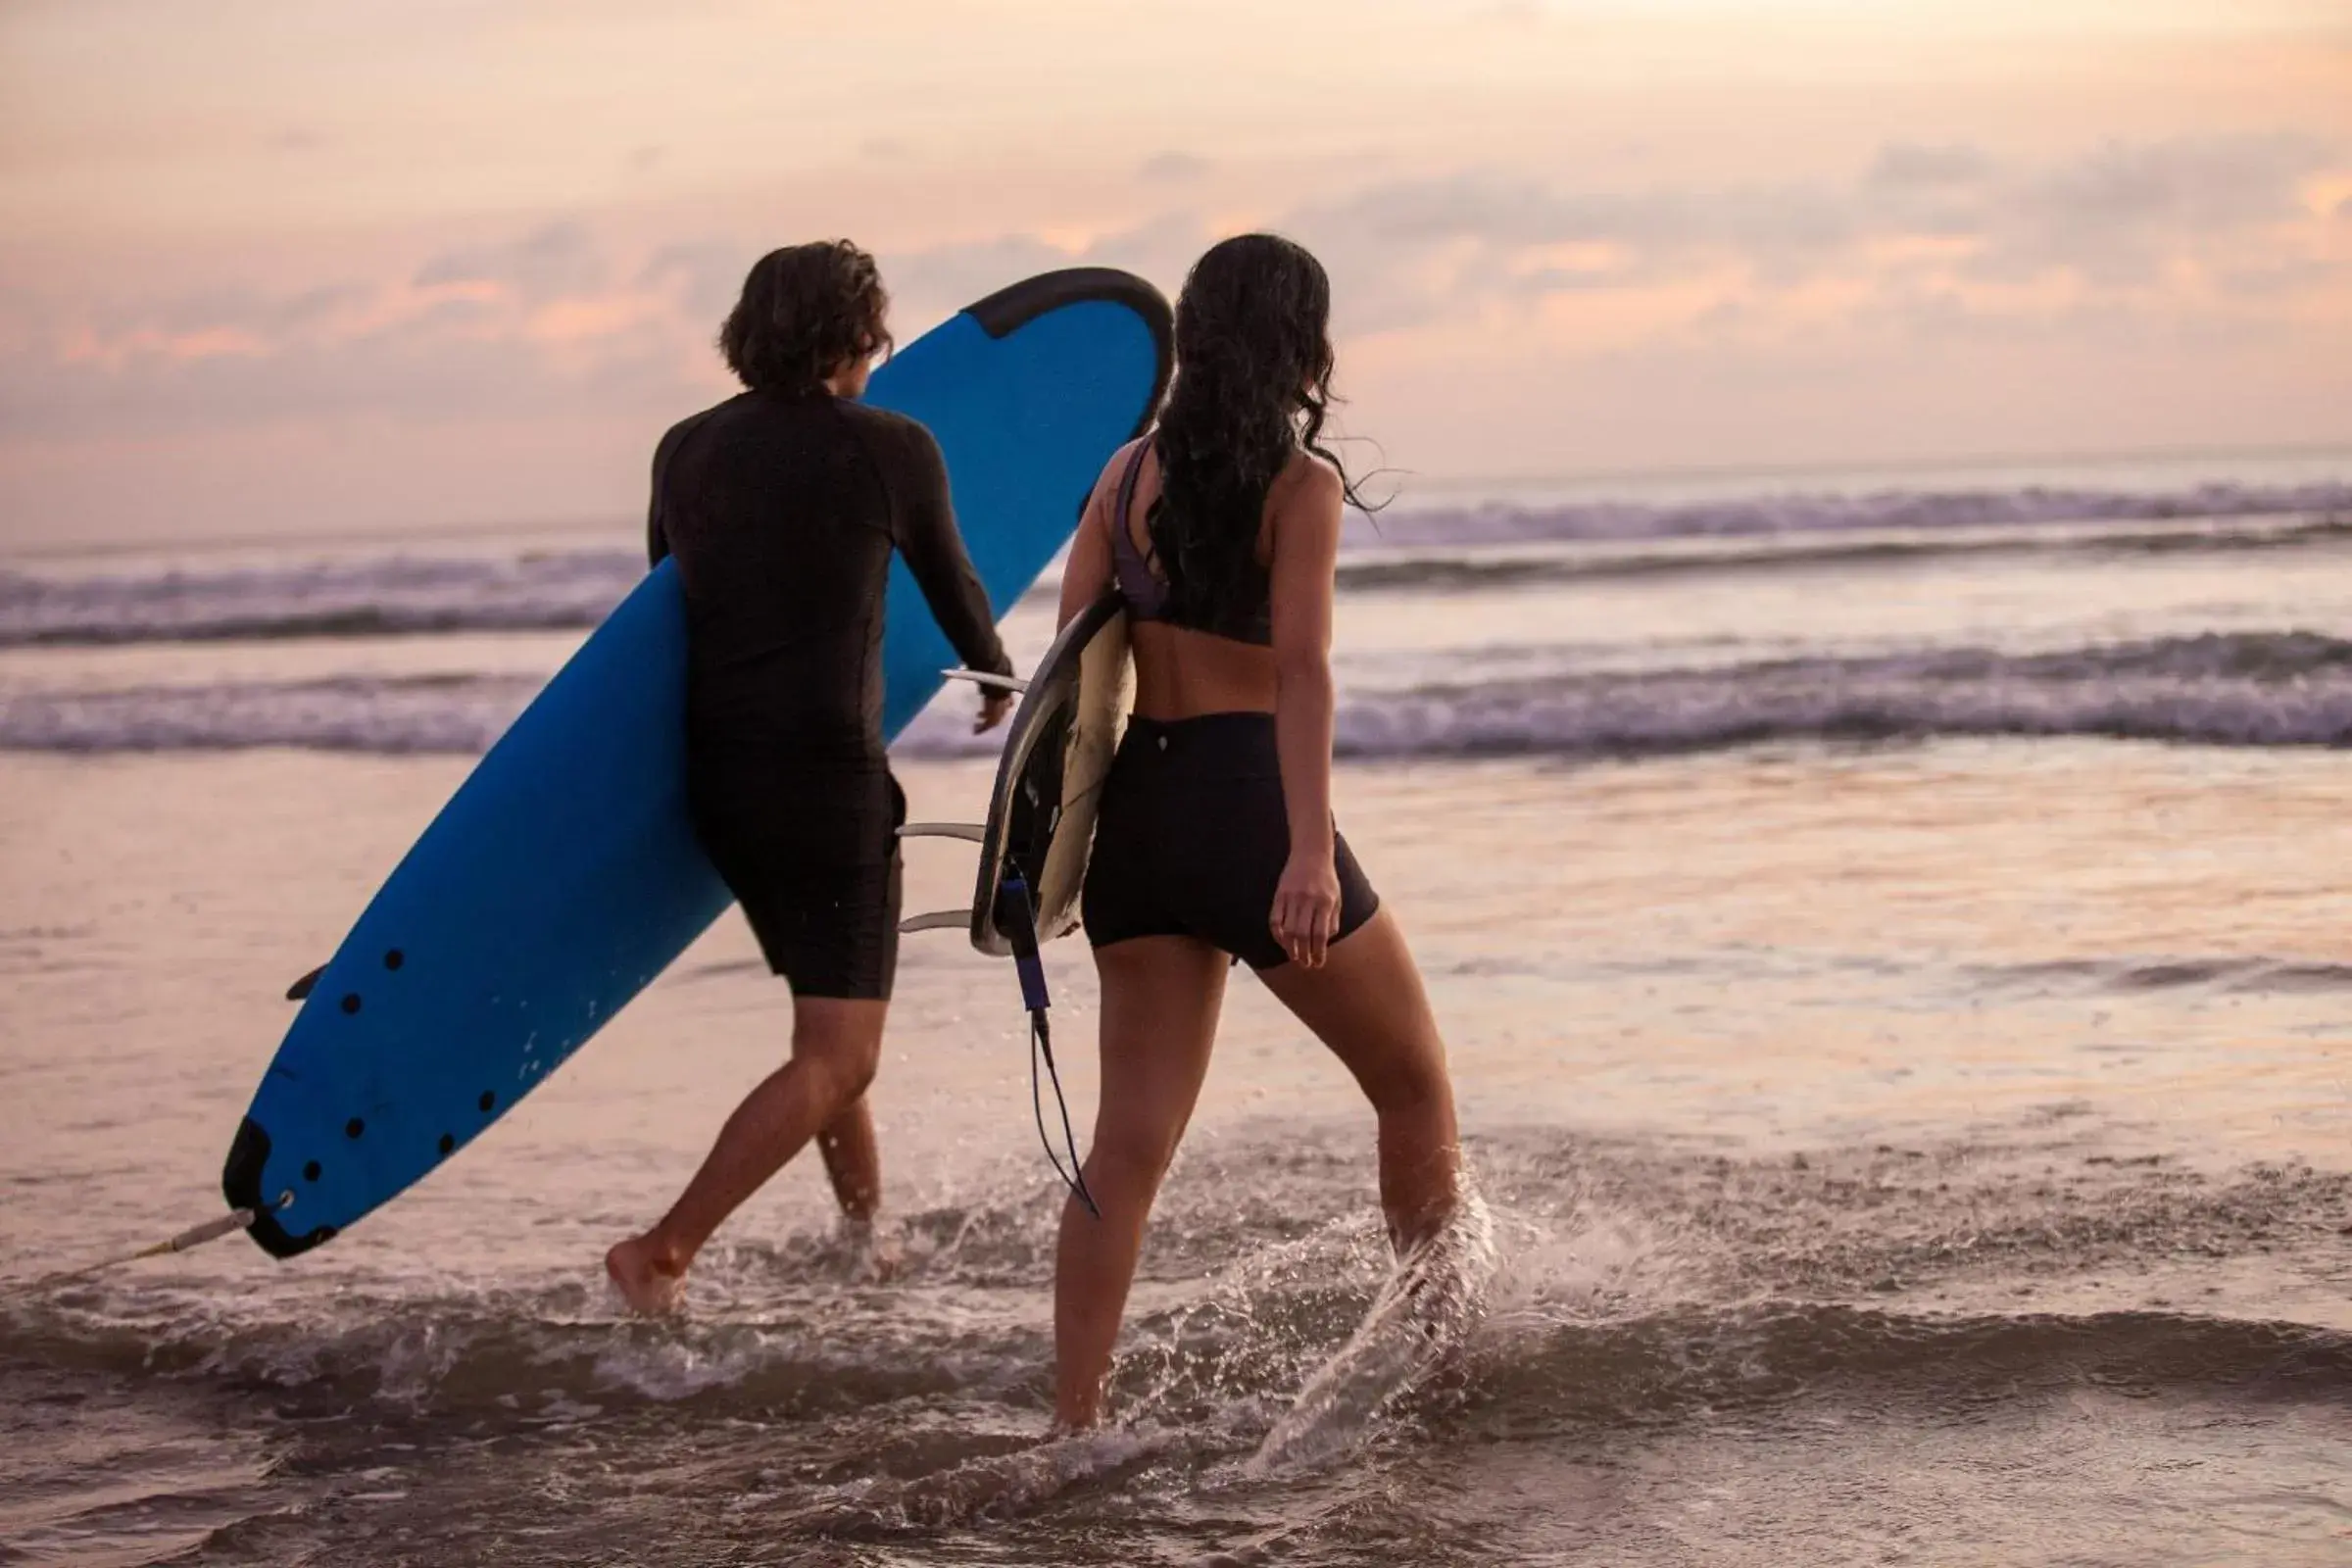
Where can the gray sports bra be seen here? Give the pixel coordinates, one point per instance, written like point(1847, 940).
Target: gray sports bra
point(1247, 618)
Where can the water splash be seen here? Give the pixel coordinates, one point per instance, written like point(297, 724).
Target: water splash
point(1423, 1313)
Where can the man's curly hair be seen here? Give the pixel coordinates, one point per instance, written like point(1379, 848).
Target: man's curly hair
point(805, 311)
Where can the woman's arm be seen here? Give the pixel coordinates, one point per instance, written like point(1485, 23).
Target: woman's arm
point(1087, 574)
point(1305, 559)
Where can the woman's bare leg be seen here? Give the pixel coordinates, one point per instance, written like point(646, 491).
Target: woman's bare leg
point(1161, 998)
point(836, 1044)
point(1366, 1003)
point(852, 1161)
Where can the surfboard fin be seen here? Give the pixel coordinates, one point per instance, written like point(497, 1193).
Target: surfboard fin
point(937, 920)
point(981, 677)
point(303, 986)
point(969, 832)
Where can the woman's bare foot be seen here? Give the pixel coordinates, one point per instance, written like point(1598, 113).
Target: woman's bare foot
point(876, 1250)
point(649, 1278)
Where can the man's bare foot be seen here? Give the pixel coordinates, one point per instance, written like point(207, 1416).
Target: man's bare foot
point(649, 1279)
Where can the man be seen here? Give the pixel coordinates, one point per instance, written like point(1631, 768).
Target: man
point(782, 507)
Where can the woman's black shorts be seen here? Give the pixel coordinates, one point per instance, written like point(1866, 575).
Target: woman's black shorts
point(1193, 837)
point(813, 856)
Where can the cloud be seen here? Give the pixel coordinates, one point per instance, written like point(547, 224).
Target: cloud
point(567, 324)
point(241, 310)
point(2298, 276)
point(439, 366)
point(704, 275)
point(1908, 166)
point(1416, 251)
point(1488, 208)
point(553, 333)
point(1170, 167)
point(1921, 244)
point(947, 278)
point(2196, 183)
point(2122, 216)
point(558, 259)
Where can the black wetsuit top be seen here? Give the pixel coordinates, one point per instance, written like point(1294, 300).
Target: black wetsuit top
point(782, 512)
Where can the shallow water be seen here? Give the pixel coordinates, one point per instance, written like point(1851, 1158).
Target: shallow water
point(1921, 1144)
point(1857, 1193)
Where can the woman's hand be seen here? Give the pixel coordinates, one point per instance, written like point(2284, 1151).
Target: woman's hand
point(1306, 907)
point(994, 704)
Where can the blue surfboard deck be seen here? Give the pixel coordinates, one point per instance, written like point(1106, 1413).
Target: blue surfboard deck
point(563, 875)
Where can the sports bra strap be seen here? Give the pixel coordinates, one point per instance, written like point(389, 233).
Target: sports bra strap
point(1135, 467)
point(1145, 595)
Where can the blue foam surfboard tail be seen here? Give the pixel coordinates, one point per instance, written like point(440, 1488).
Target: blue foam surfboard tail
point(564, 875)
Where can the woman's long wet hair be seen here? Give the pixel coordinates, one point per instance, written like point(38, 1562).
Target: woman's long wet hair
point(805, 311)
point(1253, 365)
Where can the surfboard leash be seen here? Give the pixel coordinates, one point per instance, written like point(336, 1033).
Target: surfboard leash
point(1016, 918)
point(195, 1236)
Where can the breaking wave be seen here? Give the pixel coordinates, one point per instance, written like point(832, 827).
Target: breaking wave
point(2245, 689)
point(1929, 511)
point(570, 590)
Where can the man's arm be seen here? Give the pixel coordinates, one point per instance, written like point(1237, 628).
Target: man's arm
point(934, 553)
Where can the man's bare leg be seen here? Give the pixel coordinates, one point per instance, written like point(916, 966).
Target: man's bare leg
point(835, 1047)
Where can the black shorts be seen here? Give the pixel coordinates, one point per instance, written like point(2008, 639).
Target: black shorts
point(1193, 838)
point(813, 856)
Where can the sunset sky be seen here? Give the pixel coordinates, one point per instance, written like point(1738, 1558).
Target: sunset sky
point(278, 267)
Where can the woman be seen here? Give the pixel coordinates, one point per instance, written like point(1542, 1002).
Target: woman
point(1216, 841)
point(781, 507)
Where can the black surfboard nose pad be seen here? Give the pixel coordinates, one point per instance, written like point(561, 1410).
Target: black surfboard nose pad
point(1008, 310)
point(351, 1003)
point(241, 1185)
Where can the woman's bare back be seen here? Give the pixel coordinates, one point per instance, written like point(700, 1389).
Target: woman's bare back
point(1182, 672)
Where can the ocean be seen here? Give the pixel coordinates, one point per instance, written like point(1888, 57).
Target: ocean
point(1893, 936)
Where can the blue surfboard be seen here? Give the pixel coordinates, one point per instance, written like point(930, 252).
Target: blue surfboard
point(565, 874)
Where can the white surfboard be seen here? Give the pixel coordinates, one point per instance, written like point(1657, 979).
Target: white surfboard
point(1057, 757)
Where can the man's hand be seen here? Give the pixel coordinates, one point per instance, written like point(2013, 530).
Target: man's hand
point(995, 704)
